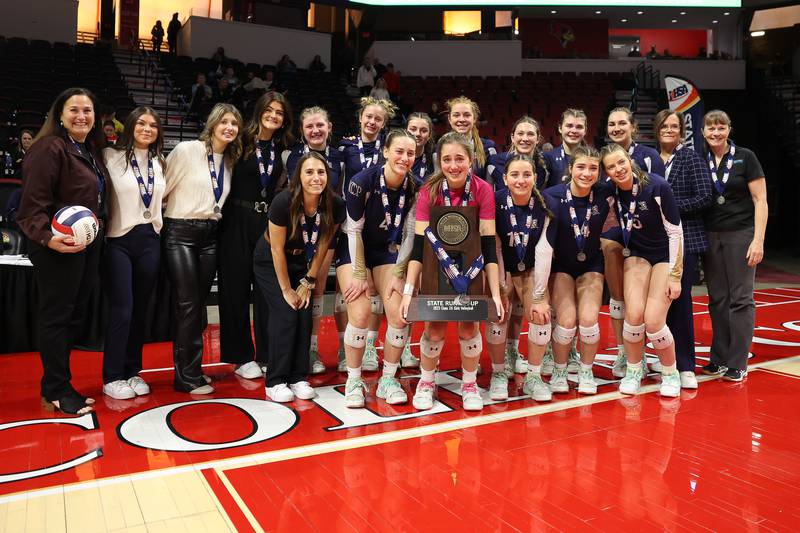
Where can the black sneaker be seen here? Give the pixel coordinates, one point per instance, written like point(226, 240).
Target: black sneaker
point(733, 374)
point(712, 369)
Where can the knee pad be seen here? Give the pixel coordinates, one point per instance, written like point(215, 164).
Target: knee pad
point(539, 334)
point(590, 335)
point(562, 335)
point(616, 308)
point(632, 334)
point(496, 333)
point(430, 349)
point(517, 309)
point(396, 336)
point(355, 337)
point(316, 307)
point(376, 304)
point(662, 338)
point(472, 347)
point(339, 305)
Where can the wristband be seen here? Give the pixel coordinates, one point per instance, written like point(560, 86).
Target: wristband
point(307, 284)
point(408, 288)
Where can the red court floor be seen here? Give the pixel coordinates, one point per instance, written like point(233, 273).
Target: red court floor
point(723, 458)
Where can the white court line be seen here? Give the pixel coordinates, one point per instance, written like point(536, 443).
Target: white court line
point(164, 369)
point(359, 442)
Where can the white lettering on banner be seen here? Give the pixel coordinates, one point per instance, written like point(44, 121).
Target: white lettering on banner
point(153, 428)
point(689, 138)
point(87, 421)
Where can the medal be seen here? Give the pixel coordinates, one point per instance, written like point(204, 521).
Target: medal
point(626, 252)
point(265, 171)
point(626, 219)
point(216, 184)
point(263, 193)
point(720, 200)
point(394, 221)
point(581, 257)
point(101, 178)
point(521, 266)
point(217, 209)
point(145, 190)
point(519, 234)
point(581, 232)
point(720, 184)
point(366, 163)
point(147, 215)
point(393, 248)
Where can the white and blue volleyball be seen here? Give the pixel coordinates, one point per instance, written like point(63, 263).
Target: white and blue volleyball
point(77, 222)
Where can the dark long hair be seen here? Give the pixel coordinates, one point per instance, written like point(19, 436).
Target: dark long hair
point(537, 155)
point(52, 125)
point(431, 142)
point(126, 140)
point(283, 137)
point(325, 207)
point(535, 191)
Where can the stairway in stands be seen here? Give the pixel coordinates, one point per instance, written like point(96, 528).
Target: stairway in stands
point(646, 109)
point(149, 84)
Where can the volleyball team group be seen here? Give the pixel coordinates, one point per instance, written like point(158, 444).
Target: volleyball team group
point(253, 205)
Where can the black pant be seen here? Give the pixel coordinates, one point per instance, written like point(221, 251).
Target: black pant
point(131, 271)
point(173, 46)
point(680, 317)
point(190, 254)
point(239, 232)
point(289, 330)
point(64, 283)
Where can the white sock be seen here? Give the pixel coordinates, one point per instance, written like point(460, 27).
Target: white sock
point(469, 377)
point(498, 367)
point(353, 372)
point(671, 369)
point(534, 369)
point(561, 365)
point(390, 369)
point(584, 366)
point(372, 336)
point(635, 366)
point(512, 344)
point(314, 345)
point(428, 375)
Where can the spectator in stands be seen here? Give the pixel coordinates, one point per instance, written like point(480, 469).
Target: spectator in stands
point(436, 112)
point(702, 53)
point(110, 133)
point(219, 56)
point(230, 75)
point(64, 167)
point(666, 54)
point(635, 52)
point(254, 83)
point(546, 147)
point(198, 180)
point(652, 54)
point(380, 68)
point(392, 79)
point(379, 92)
point(157, 35)
point(202, 94)
point(286, 65)
point(18, 153)
point(110, 114)
point(173, 29)
point(366, 77)
point(224, 91)
point(317, 65)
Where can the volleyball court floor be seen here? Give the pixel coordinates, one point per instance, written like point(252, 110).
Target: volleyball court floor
point(723, 458)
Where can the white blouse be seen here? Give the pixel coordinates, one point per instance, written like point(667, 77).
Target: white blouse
point(125, 205)
point(189, 192)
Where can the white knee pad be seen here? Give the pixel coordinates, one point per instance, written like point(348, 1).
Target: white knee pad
point(632, 334)
point(562, 335)
point(539, 334)
point(430, 349)
point(355, 337)
point(662, 338)
point(616, 308)
point(376, 304)
point(396, 337)
point(590, 335)
point(496, 333)
point(517, 309)
point(316, 307)
point(339, 305)
point(472, 347)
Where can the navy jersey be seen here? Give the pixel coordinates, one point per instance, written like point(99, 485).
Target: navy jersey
point(557, 162)
point(647, 158)
point(656, 223)
point(373, 155)
point(496, 169)
point(333, 156)
point(365, 209)
point(422, 169)
point(503, 229)
point(565, 247)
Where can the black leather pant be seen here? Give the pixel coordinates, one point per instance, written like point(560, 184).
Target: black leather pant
point(190, 254)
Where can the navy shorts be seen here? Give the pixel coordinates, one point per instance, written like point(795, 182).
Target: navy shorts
point(576, 268)
point(652, 256)
point(613, 234)
point(374, 255)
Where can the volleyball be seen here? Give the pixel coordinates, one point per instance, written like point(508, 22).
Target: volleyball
point(77, 222)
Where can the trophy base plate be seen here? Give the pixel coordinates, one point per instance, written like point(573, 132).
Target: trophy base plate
point(443, 308)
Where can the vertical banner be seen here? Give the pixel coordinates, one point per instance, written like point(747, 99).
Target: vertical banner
point(684, 96)
point(129, 23)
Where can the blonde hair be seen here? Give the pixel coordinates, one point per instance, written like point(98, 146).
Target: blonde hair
point(234, 149)
point(314, 110)
point(388, 107)
point(434, 183)
point(480, 153)
point(638, 173)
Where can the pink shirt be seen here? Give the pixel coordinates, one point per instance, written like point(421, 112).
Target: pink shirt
point(482, 196)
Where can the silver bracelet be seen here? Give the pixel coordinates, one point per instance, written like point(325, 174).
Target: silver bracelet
point(408, 288)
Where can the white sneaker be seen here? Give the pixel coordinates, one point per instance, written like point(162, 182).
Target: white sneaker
point(407, 359)
point(536, 388)
point(548, 363)
point(471, 397)
point(342, 365)
point(264, 369)
point(574, 360)
point(498, 386)
point(670, 385)
point(119, 390)
point(632, 381)
point(302, 390)
point(139, 386)
point(354, 390)
point(280, 393)
point(688, 380)
point(249, 370)
point(558, 382)
point(317, 366)
point(586, 382)
point(620, 364)
point(423, 397)
point(390, 390)
point(520, 365)
point(203, 389)
point(370, 361)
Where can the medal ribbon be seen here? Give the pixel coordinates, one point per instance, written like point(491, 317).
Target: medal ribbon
point(394, 221)
point(582, 231)
point(101, 178)
point(520, 234)
point(310, 235)
point(145, 191)
point(366, 163)
point(670, 160)
point(628, 217)
point(216, 184)
point(720, 184)
point(458, 280)
point(265, 173)
point(465, 198)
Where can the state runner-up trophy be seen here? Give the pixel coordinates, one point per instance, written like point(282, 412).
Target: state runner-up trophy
point(453, 230)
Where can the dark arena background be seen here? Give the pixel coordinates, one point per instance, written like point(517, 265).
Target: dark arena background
point(722, 457)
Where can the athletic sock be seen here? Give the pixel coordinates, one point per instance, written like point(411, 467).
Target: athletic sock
point(469, 377)
point(498, 367)
point(389, 369)
point(428, 375)
point(353, 372)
